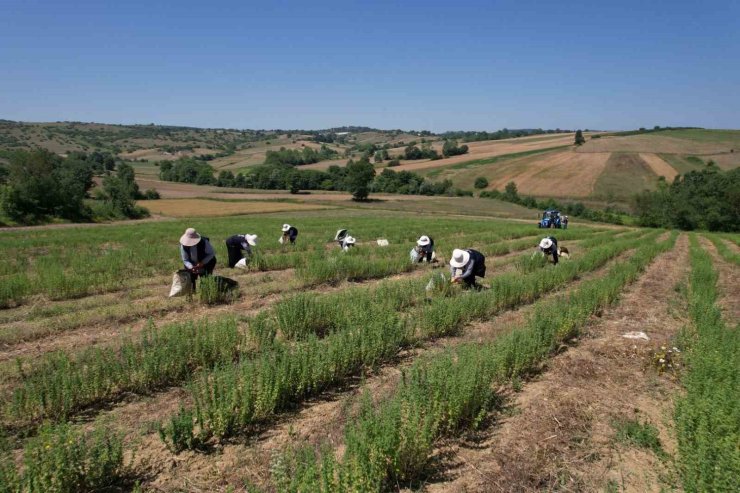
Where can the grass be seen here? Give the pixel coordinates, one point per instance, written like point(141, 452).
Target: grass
point(61, 459)
point(682, 163)
point(493, 160)
point(708, 416)
point(390, 444)
point(639, 434)
point(624, 175)
point(231, 399)
point(212, 208)
point(729, 137)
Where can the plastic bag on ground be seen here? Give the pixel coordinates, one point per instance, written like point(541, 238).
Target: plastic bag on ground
point(281, 240)
point(242, 264)
point(181, 284)
point(382, 242)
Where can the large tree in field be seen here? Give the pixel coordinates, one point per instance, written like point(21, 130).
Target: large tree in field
point(579, 138)
point(360, 175)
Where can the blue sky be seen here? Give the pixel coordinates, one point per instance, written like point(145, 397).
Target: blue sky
point(406, 64)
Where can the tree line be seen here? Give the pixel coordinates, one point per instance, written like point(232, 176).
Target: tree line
point(708, 199)
point(357, 177)
point(38, 185)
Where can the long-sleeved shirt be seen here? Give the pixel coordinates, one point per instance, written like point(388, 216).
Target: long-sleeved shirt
point(553, 250)
point(467, 270)
point(189, 255)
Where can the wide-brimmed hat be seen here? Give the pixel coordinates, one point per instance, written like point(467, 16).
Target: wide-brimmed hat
point(190, 238)
point(350, 240)
point(459, 258)
point(251, 239)
point(423, 241)
point(545, 243)
point(286, 227)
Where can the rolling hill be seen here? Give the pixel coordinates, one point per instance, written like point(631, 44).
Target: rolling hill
point(609, 167)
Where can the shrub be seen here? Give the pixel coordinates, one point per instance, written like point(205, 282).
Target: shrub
point(61, 459)
point(481, 182)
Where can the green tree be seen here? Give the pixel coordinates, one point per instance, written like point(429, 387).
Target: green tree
point(481, 182)
point(511, 193)
point(360, 175)
point(579, 138)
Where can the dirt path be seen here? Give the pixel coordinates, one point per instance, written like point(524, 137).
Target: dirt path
point(320, 420)
point(559, 432)
point(728, 283)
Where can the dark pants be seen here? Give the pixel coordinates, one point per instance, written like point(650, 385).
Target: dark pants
point(479, 270)
point(235, 254)
point(207, 270)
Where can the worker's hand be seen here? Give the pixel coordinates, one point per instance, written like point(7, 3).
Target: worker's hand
point(456, 279)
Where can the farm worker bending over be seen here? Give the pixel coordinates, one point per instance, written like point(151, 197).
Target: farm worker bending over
point(423, 250)
point(347, 243)
point(197, 254)
point(290, 233)
point(549, 246)
point(465, 265)
point(238, 243)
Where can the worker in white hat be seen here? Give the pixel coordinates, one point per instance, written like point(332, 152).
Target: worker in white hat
point(465, 265)
point(290, 233)
point(549, 246)
point(424, 249)
point(237, 244)
point(197, 254)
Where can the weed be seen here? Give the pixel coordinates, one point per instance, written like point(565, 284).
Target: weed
point(643, 435)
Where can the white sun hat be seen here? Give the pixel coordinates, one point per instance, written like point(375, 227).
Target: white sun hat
point(545, 243)
point(190, 238)
point(459, 258)
point(286, 227)
point(350, 240)
point(423, 241)
point(251, 239)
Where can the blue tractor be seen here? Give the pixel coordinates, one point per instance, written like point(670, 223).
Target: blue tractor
point(550, 219)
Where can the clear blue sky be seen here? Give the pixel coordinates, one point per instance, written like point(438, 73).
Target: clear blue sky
point(405, 64)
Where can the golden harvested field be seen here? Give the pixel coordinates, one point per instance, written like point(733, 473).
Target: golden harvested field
point(659, 166)
point(213, 208)
point(486, 149)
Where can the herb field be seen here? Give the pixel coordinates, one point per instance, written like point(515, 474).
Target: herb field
point(331, 371)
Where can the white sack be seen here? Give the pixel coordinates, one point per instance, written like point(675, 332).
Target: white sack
point(181, 284)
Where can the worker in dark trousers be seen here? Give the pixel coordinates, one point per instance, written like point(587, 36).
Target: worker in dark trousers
point(549, 246)
point(290, 233)
point(197, 254)
point(237, 244)
point(424, 249)
point(465, 265)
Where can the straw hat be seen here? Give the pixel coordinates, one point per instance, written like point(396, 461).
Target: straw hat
point(190, 238)
point(251, 239)
point(286, 227)
point(459, 258)
point(350, 240)
point(545, 243)
point(423, 241)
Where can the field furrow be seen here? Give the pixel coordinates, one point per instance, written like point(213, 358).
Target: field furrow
point(562, 427)
point(321, 420)
point(391, 443)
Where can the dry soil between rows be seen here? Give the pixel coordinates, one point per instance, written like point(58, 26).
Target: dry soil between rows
point(318, 421)
point(559, 433)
